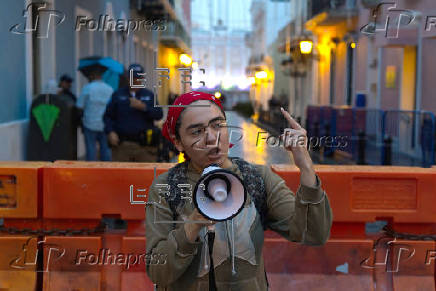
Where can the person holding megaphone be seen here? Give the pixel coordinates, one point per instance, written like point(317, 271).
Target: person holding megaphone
point(213, 238)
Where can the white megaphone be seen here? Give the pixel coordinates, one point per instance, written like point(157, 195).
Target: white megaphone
point(219, 194)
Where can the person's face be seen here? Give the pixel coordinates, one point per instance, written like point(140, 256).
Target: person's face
point(66, 85)
point(137, 81)
point(204, 144)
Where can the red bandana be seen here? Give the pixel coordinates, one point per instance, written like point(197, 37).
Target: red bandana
point(174, 112)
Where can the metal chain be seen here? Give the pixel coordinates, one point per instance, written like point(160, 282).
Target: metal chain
point(408, 236)
point(54, 231)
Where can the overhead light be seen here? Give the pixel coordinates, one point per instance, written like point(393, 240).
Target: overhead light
point(261, 75)
point(306, 46)
point(218, 95)
point(185, 59)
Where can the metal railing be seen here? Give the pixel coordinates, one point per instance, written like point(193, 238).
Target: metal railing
point(377, 137)
point(319, 6)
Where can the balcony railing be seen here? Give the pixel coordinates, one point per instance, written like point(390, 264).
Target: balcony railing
point(176, 33)
point(319, 6)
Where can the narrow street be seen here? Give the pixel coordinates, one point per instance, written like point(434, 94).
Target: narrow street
point(246, 148)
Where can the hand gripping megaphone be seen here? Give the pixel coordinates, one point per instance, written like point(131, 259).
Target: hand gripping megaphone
point(219, 194)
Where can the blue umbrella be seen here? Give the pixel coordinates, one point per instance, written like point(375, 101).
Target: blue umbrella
point(112, 69)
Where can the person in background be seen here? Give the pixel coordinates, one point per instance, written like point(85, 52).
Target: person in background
point(93, 100)
point(129, 121)
point(65, 83)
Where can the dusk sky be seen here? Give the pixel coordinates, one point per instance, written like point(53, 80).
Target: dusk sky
point(235, 14)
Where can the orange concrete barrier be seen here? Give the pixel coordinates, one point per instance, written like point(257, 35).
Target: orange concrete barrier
point(75, 195)
point(135, 277)
point(404, 197)
point(17, 263)
point(89, 190)
point(334, 266)
point(414, 265)
point(19, 192)
point(363, 193)
point(72, 263)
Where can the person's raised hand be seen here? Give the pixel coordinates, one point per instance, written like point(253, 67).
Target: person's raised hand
point(137, 104)
point(295, 141)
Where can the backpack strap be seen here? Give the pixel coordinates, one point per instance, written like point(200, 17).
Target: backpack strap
point(252, 180)
point(255, 186)
point(176, 175)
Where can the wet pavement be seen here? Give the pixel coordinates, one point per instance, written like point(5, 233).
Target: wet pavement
point(245, 135)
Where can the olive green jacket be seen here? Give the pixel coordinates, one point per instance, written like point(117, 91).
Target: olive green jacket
point(186, 263)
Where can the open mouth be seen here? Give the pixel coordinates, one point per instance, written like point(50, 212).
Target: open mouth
point(214, 152)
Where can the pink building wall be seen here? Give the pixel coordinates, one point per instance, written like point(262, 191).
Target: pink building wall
point(393, 56)
point(367, 79)
point(390, 97)
point(429, 75)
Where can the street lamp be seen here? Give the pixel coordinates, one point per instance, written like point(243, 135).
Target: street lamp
point(261, 75)
point(306, 47)
point(185, 59)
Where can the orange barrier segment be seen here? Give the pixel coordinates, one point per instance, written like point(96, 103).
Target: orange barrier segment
point(413, 265)
point(333, 266)
point(72, 263)
point(135, 277)
point(19, 183)
point(77, 194)
point(365, 193)
point(17, 263)
point(89, 190)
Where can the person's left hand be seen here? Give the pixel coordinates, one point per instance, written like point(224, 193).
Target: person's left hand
point(137, 104)
point(295, 141)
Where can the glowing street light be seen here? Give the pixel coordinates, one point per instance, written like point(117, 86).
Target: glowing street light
point(185, 59)
point(261, 75)
point(306, 47)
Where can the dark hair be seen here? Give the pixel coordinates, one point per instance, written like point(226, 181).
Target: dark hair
point(179, 122)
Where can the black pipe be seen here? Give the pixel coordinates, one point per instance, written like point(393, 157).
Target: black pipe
point(361, 146)
point(387, 147)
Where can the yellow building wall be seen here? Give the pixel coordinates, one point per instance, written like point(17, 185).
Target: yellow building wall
point(408, 79)
point(169, 58)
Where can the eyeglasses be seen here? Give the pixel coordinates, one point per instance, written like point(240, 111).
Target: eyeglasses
point(200, 131)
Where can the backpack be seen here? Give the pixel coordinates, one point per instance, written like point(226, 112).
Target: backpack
point(252, 180)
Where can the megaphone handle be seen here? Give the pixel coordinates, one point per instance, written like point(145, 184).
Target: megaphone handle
point(210, 240)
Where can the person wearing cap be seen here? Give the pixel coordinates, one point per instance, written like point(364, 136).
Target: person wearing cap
point(92, 102)
point(65, 83)
point(129, 120)
point(201, 134)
